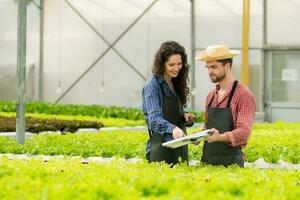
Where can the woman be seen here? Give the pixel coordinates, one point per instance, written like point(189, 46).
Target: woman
point(164, 96)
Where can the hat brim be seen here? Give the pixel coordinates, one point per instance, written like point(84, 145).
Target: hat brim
point(204, 57)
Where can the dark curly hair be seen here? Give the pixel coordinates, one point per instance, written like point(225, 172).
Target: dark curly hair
point(166, 50)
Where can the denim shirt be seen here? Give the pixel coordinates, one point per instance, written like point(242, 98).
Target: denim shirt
point(152, 107)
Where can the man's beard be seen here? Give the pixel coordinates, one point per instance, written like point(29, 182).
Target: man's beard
point(218, 78)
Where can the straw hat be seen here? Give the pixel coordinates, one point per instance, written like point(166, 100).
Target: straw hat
point(217, 52)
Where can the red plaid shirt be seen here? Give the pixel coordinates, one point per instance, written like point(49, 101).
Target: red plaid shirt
point(243, 112)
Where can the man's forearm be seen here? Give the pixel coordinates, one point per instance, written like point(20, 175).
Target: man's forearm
point(223, 138)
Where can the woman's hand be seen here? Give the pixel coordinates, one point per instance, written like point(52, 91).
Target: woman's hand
point(177, 133)
point(189, 118)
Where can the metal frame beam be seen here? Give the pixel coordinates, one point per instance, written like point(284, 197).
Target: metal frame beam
point(284, 47)
point(111, 46)
point(41, 53)
point(193, 53)
point(245, 46)
point(233, 47)
point(266, 89)
point(226, 7)
point(21, 71)
point(36, 5)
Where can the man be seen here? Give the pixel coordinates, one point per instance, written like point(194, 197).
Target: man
point(230, 110)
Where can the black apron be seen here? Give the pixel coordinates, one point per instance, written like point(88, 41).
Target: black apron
point(172, 111)
point(220, 153)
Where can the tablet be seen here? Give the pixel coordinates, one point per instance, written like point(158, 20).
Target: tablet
point(195, 137)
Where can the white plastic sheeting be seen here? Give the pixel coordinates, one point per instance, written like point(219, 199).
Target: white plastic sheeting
point(71, 46)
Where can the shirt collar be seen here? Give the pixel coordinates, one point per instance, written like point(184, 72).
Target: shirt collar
point(229, 89)
point(160, 79)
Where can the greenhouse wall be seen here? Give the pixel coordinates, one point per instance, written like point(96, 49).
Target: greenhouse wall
point(71, 46)
point(8, 50)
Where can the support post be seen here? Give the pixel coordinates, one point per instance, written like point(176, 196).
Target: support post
point(193, 55)
point(41, 53)
point(245, 46)
point(21, 71)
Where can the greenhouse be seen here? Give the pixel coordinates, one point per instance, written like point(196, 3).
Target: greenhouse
point(149, 99)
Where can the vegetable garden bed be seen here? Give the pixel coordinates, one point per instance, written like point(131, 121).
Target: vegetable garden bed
point(272, 142)
point(69, 179)
point(36, 123)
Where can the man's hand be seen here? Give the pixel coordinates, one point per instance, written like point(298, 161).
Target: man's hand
point(215, 136)
point(177, 133)
point(189, 118)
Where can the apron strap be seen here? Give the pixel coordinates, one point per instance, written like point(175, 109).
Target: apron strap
point(150, 133)
point(210, 102)
point(160, 85)
point(231, 93)
point(162, 90)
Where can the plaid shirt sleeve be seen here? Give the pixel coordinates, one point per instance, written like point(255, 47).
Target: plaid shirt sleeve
point(243, 114)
